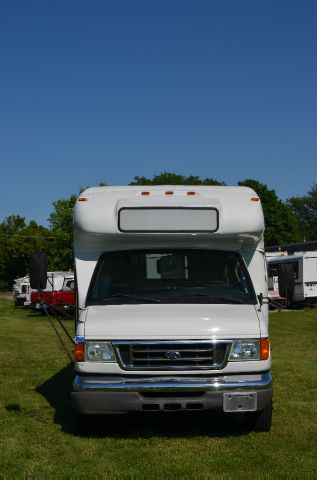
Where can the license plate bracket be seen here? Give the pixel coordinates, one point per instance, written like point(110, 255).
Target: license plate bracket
point(240, 402)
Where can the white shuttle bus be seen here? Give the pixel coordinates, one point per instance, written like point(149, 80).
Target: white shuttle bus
point(171, 317)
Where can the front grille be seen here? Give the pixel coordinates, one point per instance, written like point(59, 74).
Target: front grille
point(176, 355)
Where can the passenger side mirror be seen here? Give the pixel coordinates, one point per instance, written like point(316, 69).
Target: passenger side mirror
point(38, 271)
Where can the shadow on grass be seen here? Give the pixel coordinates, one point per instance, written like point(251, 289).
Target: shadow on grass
point(137, 425)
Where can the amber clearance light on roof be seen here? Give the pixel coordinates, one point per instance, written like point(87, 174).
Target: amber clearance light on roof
point(255, 199)
point(82, 199)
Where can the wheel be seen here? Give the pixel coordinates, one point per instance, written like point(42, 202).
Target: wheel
point(260, 421)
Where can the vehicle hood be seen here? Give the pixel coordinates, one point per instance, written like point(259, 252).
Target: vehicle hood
point(117, 322)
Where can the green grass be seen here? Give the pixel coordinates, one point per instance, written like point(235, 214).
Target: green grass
point(37, 426)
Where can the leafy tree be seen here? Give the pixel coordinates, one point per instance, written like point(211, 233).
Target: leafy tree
point(61, 223)
point(169, 178)
point(305, 211)
point(61, 219)
point(280, 223)
point(17, 242)
point(12, 225)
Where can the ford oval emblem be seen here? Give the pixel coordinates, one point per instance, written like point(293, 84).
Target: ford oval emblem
point(172, 355)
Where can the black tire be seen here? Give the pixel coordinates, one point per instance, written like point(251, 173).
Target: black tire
point(260, 421)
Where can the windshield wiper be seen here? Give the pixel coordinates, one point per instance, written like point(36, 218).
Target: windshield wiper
point(134, 297)
point(212, 297)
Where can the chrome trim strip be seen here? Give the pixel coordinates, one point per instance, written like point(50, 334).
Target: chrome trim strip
point(154, 342)
point(214, 384)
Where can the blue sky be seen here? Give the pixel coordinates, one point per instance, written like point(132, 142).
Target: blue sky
point(103, 90)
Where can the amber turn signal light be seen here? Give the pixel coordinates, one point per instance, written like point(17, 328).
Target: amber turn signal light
point(79, 351)
point(265, 348)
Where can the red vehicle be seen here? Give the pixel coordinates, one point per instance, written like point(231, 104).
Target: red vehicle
point(57, 298)
point(61, 298)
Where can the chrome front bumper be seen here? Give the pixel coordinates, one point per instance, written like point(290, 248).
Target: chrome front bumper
point(102, 395)
point(152, 384)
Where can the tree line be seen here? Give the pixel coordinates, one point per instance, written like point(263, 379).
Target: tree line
point(290, 221)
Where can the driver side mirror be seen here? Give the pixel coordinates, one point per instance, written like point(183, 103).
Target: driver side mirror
point(38, 271)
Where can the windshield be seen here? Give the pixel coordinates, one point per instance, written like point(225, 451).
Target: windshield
point(171, 276)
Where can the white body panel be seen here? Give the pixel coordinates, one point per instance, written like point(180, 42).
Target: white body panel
point(310, 274)
point(192, 321)
point(238, 214)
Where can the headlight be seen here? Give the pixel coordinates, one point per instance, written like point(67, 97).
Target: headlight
point(99, 352)
point(245, 350)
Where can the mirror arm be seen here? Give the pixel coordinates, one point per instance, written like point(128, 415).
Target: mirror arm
point(261, 299)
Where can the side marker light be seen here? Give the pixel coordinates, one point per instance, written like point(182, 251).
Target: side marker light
point(265, 348)
point(79, 351)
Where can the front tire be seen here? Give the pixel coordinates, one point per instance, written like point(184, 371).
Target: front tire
point(260, 421)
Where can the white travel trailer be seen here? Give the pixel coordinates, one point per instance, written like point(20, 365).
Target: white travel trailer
point(293, 278)
point(170, 284)
point(22, 291)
